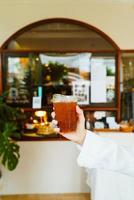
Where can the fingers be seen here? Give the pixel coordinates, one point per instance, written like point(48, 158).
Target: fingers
point(54, 122)
point(55, 126)
point(56, 130)
point(53, 115)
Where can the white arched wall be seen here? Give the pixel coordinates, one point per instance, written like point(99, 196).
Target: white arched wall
point(42, 168)
point(114, 19)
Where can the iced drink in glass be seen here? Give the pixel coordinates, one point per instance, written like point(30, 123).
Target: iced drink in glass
point(65, 110)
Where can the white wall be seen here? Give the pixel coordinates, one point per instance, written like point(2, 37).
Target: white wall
point(45, 167)
point(115, 19)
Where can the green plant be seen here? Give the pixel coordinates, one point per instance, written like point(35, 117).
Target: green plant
point(9, 149)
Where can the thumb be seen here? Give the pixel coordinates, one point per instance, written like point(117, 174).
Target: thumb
point(80, 113)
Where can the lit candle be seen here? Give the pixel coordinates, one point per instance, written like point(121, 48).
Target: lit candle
point(41, 114)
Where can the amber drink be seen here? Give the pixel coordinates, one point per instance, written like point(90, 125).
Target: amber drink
point(65, 110)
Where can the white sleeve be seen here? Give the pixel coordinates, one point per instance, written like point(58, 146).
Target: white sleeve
point(103, 153)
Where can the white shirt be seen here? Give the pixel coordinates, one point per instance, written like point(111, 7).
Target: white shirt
point(103, 153)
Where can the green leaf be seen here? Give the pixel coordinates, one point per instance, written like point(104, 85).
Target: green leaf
point(9, 150)
point(10, 155)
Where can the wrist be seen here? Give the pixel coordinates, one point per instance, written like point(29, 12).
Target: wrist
point(82, 138)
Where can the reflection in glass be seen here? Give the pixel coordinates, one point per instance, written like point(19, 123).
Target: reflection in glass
point(127, 83)
point(70, 71)
point(18, 78)
point(102, 79)
point(99, 119)
point(128, 71)
point(60, 73)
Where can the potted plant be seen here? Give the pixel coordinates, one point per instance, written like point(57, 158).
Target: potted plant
point(9, 149)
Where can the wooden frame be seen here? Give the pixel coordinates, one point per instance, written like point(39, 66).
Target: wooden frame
point(116, 51)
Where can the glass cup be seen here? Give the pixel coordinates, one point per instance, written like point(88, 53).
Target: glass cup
point(65, 110)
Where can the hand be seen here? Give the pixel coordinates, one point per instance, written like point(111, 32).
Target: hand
point(79, 135)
